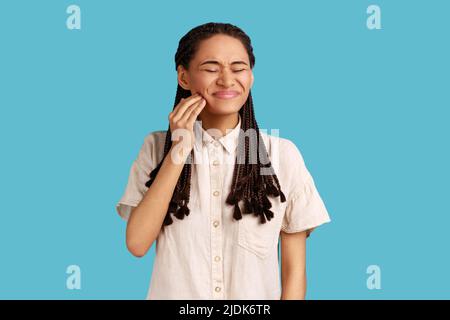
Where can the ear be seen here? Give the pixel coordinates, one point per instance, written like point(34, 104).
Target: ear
point(253, 80)
point(182, 77)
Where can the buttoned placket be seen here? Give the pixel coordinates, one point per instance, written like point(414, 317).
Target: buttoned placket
point(216, 217)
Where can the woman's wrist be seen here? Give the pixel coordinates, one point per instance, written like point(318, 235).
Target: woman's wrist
point(179, 153)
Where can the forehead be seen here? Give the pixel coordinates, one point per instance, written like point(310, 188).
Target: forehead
point(222, 48)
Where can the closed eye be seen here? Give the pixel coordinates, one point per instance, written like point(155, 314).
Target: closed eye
point(217, 70)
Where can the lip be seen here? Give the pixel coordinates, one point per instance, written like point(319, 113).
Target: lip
point(226, 94)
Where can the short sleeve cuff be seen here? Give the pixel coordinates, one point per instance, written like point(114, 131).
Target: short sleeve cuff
point(123, 208)
point(305, 210)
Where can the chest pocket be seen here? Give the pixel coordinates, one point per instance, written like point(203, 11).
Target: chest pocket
point(259, 238)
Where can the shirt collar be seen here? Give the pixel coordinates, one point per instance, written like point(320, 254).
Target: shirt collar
point(229, 141)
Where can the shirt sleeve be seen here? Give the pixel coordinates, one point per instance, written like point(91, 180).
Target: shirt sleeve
point(305, 209)
point(138, 176)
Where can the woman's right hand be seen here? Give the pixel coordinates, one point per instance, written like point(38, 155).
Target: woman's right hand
point(183, 117)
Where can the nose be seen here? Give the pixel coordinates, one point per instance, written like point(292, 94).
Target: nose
point(225, 78)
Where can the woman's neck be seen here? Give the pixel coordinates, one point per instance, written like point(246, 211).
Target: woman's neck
point(220, 122)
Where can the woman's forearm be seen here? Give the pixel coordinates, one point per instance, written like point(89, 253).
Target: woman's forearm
point(293, 286)
point(145, 222)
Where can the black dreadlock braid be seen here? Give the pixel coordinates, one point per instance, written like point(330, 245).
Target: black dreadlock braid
point(248, 184)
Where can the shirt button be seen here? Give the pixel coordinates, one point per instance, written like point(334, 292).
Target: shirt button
point(216, 224)
point(215, 162)
point(216, 258)
point(216, 144)
point(217, 289)
point(216, 193)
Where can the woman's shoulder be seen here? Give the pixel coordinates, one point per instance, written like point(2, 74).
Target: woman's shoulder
point(155, 136)
point(153, 146)
point(286, 158)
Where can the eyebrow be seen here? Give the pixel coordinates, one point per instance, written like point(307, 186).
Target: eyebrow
point(217, 63)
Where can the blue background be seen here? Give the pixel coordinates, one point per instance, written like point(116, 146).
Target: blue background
point(368, 109)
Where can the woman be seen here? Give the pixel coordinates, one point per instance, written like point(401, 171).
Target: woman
point(233, 189)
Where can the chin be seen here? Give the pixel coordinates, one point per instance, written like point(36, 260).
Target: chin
point(222, 108)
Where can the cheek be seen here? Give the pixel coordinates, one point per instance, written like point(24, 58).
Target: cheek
point(246, 80)
point(201, 83)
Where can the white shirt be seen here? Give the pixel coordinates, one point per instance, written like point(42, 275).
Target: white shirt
point(208, 254)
